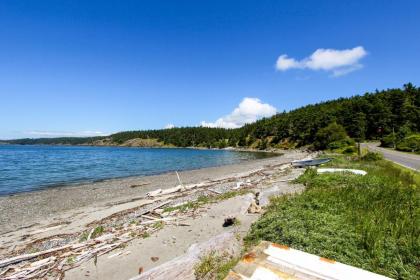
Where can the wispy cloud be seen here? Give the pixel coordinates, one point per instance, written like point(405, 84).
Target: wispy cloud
point(169, 126)
point(339, 62)
point(248, 111)
point(86, 133)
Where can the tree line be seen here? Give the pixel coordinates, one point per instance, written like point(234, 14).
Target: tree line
point(389, 115)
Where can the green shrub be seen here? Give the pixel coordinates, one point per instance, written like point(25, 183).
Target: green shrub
point(388, 141)
point(410, 143)
point(341, 143)
point(403, 132)
point(349, 150)
point(263, 144)
point(372, 156)
point(329, 135)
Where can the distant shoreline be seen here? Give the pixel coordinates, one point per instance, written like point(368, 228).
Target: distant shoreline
point(234, 149)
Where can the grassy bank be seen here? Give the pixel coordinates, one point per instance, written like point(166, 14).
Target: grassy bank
point(371, 221)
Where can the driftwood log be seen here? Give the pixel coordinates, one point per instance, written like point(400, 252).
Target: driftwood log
point(183, 266)
point(25, 257)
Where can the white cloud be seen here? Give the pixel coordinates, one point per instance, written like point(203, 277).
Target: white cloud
point(86, 133)
point(169, 126)
point(284, 63)
point(339, 62)
point(248, 111)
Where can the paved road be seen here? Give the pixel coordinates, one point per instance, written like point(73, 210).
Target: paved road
point(408, 160)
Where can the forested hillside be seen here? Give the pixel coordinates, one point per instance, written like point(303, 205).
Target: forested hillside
point(388, 115)
point(370, 116)
point(183, 137)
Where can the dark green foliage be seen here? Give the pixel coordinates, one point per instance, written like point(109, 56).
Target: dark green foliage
point(332, 136)
point(341, 143)
point(403, 132)
point(410, 143)
point(389, 141)
point(371, 221)
point(372, 156)
point(184, 136)
point(371, 116)
point(349, 150)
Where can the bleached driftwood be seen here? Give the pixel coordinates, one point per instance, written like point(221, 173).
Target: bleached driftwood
point(154, 193)
point(82, 251)
point(215, 191)
point(242, 175)
point(90, 233)
point(149, 217)
point(144, 212)
point(157, 220)
point(121, 253)
point(25, 257)
point(31, 271)
point(183, 266)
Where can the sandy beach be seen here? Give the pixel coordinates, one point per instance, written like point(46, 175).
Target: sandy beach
point(32, 222)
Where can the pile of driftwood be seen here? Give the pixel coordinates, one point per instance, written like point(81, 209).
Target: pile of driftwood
point(261, 172)
point(52, 263)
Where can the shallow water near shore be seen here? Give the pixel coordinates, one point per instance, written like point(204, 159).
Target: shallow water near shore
point(31, 168)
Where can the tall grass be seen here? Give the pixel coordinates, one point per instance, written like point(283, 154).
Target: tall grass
point(371, 221)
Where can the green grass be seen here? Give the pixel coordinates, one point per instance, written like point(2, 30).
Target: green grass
point(371, 221)
point(214, 266)
point(99, 230)
point(145, 235)
point(158, 225)
point(71, 260)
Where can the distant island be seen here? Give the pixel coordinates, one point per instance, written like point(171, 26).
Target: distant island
point(391, 116)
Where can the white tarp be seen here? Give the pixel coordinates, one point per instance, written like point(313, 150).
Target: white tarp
point(331, 170)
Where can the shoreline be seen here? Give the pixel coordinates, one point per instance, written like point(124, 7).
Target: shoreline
point(56, 217)
point(82, 182)
point(20, 208)
point(85, 181)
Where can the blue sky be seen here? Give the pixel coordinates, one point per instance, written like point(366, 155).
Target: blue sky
point(93, 67)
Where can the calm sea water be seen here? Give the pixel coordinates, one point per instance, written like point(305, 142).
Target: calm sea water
point(29, 168)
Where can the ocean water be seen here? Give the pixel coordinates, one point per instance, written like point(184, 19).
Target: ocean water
point(30, 168)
